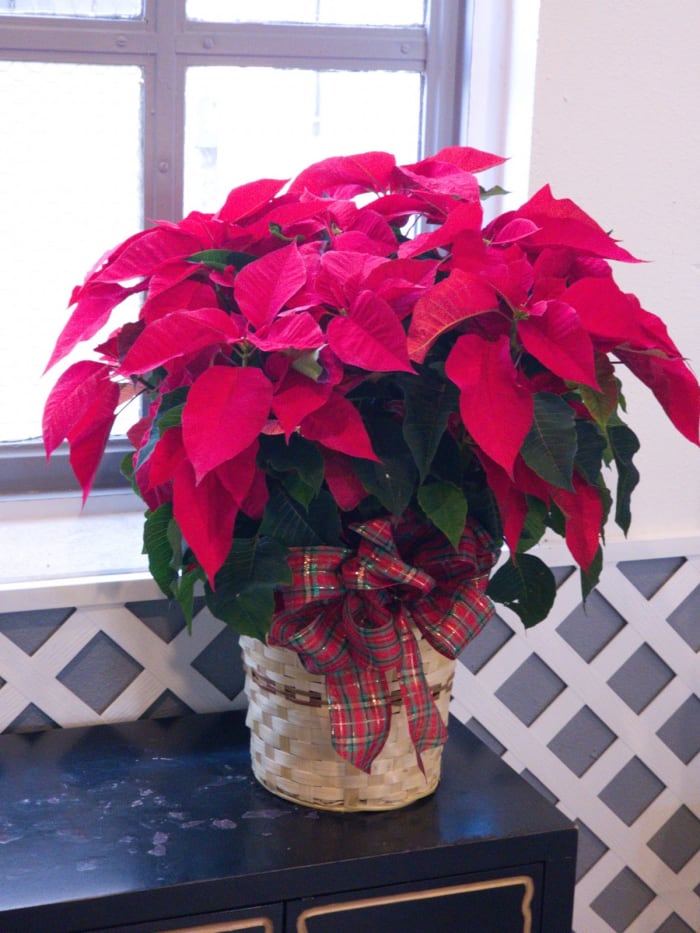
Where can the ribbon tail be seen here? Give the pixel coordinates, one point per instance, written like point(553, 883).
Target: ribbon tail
point(360, 714)
point(425, 725)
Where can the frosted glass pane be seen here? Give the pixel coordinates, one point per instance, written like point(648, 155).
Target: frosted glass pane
point(70, 188)
point(246, 123)
point(92, 9)
point(347, 12)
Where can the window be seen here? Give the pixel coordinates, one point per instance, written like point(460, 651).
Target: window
point(114, 112)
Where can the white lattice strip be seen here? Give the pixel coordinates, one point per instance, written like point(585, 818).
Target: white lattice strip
point(170, 664)
point(34, 678)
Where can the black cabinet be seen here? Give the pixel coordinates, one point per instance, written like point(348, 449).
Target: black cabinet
point(159, 826)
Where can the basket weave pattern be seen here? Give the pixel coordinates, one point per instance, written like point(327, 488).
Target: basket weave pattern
point(291, 750)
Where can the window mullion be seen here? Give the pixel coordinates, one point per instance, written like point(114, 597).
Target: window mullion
point(446, 73)
point(164, 115)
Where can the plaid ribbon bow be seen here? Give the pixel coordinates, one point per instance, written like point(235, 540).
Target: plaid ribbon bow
point(349, 616)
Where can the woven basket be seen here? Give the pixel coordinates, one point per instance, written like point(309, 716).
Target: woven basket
point(291, 748)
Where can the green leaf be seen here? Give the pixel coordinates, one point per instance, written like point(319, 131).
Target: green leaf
point(550, 445)
point(221, 258)
point(158, 546)
point(244, 597)
point(527, 587)
point(447, 464)
point(298, 457)
point(429, 403)
point(446, 506)
point(535, 524)
point(394, 480)
point(289, 522)
point(590, 450)
point(494, 191)
point(624, 444)
point(170, 400)
point(184, 593)
point(172, 418)
point(126, 468)
point(602, 405)
point(556, 520)
point(298, 489)
point(590, 577)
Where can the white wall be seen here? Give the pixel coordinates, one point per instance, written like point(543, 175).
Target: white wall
point(616, 126)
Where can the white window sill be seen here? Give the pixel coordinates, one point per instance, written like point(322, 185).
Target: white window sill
point(54, 538)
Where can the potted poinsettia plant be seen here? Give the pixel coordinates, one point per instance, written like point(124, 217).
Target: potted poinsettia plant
point(351, 359)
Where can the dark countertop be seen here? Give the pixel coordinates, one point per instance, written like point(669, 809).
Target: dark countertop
point(131, 810)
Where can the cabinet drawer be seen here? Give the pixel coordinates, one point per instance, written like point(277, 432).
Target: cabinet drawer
point(491, 905)
point(249, 925)
point(265, 919)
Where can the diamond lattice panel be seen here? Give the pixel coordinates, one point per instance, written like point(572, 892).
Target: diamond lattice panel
point(600, 708)
point(107, 663)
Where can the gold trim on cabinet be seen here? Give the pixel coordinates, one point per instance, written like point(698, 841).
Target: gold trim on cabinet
point(526, 905)
point(232, 926)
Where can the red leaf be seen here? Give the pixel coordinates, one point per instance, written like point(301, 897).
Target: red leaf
point(180, 296)
point(206, 513)
point(254, 503)
point(342, 274)
point(178, 334)
point(467, 158)
point(563, 223)
point(89, 437)
point(554, 336)
point(451, 301)
point(138, 432)
point(72, 396)
point(95, 304)
point(511, 494)
point(583, 511)
point(166, 458)
point(171, 274)
point(432, 175)
point(514, 230)
point(506, 269)
point(343, 481)
point(367, 232)
point(346, 176)
point(146, 253)
point(604, 310)
point(402, 281)
point(511, 501)
point(81, 408)
point(338, 425)
point(249, 198)
point(466, 216)
point(225, 411)
point(237, 475)
point(263, 287)
point(673, 384)
point(496, 410)
point(290, 331)
point(370, 336)
point(296, 397)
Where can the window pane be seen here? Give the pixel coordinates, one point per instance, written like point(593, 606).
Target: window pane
point(247, 123)
point(346, 12)
point(70, 188)
point(94, 9)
